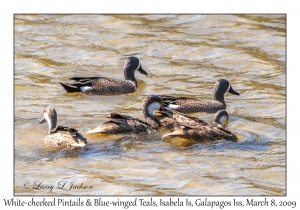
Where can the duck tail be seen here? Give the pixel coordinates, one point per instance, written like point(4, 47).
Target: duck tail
point(70, 88)
point(99, 129)
point(176, 133)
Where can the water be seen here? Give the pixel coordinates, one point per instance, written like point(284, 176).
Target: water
point(184, 55)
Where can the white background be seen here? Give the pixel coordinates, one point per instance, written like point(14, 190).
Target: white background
point(9, 8)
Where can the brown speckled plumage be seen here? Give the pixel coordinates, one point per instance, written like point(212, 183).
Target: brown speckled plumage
point(171, 119)
point(61, 135)
point(112, 86)
point(201, 133)
point(188, 105)
point(108, 86)
point(201, 130)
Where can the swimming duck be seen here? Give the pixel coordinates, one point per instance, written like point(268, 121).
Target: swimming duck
point(118, 123)
point(172, 119)
point(61, 135)
point(188, 105)
point(212, 131)
point(108, 86)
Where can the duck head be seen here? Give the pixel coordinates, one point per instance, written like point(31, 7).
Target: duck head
point(150, 104)
point(221, 87)
point(50, 116)
point(131, 65)
point(221, 118)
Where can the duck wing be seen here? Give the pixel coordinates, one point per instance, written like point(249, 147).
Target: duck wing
point(166, 99)
point(85, 79)
point(79, 82)
point(66, 136)
point(118, 123)
point(201, 133)
point(184, 118)
point(63, 128)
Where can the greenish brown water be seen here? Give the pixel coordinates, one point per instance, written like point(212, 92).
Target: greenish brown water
point(184, 55)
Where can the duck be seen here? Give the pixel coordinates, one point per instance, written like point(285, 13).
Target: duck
point(189, 105)
point(172, 119)
point(108, 86)
point(61, 135)
point(211, 131)
point(119, 123)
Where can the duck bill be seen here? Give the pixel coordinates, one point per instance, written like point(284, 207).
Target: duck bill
point(43, 120)
point(233, 91)
point(141, 70)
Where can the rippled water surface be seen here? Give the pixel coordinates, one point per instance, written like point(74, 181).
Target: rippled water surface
point(184, 55)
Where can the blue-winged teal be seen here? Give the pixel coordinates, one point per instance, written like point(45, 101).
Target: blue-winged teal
point(122, 123)
point(60, 135)
point(108, 86)
point(188, 105)
point(200, 132)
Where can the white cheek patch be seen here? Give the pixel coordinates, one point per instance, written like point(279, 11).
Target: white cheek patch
point(228, 86)
point(223, 120)
point(85, 88)
point(172, 106)
point(47, 118)
point(153, 106)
